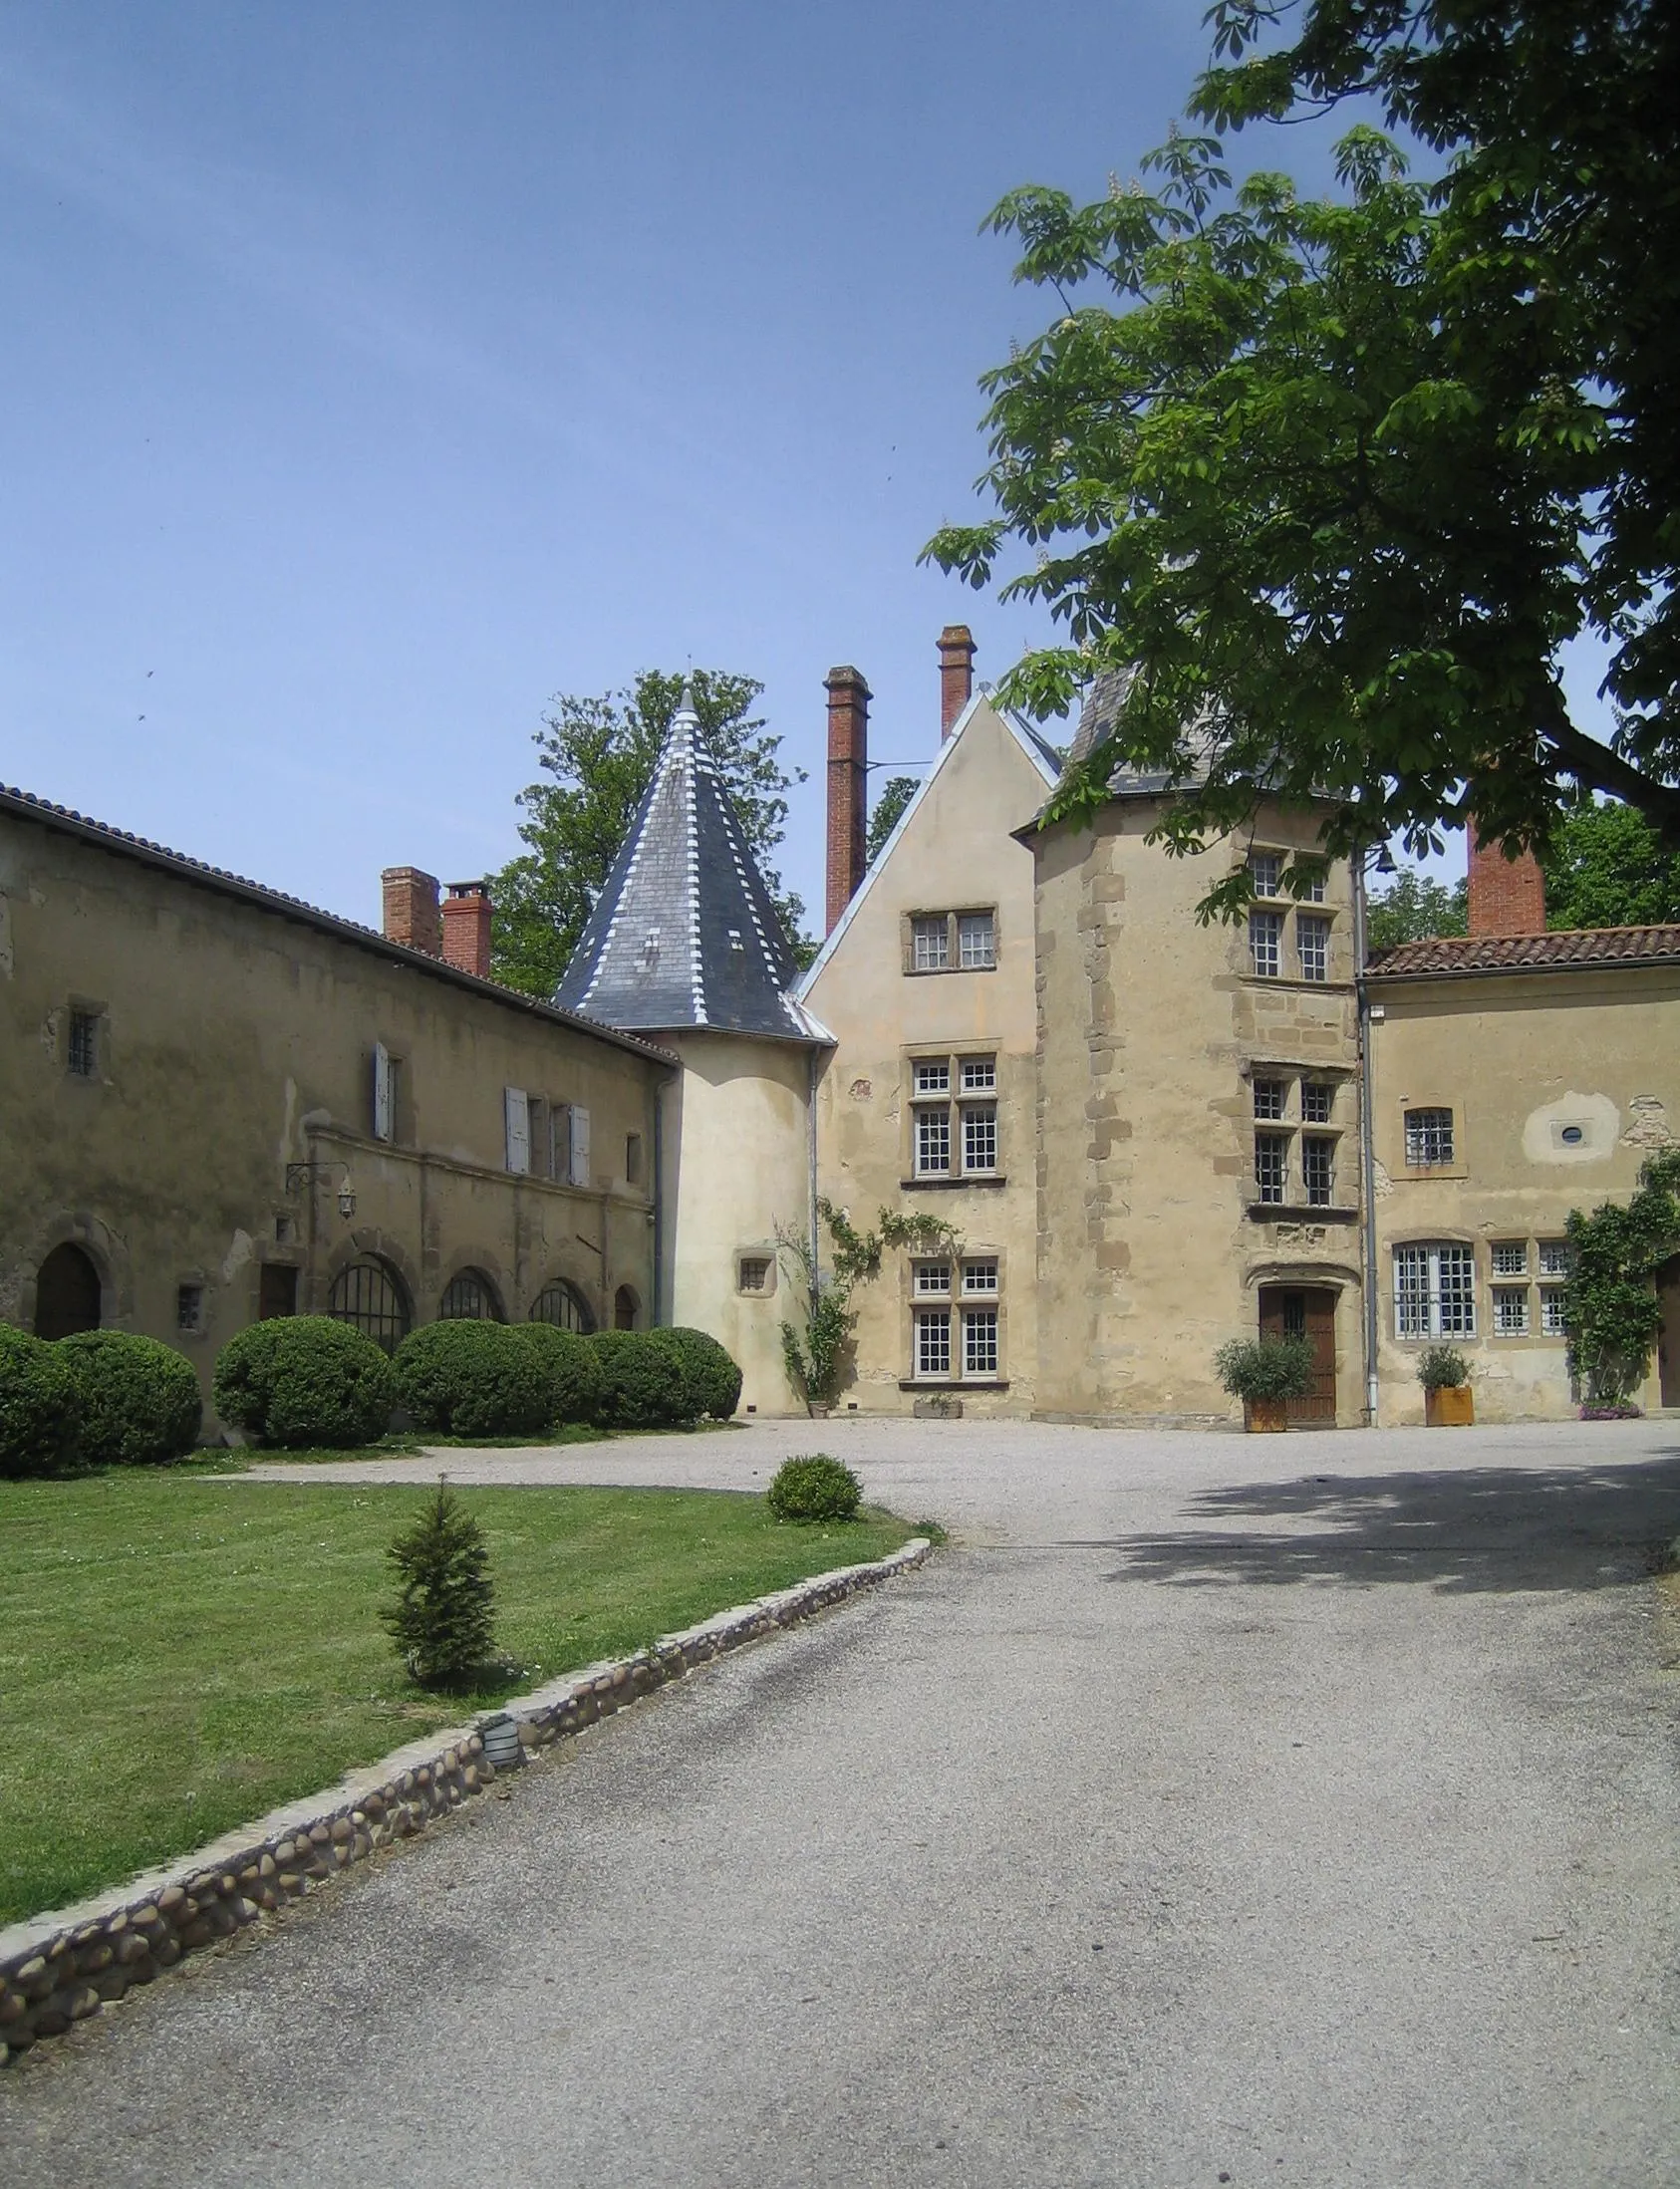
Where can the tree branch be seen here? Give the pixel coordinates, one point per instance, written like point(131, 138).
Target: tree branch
point(1600, 769)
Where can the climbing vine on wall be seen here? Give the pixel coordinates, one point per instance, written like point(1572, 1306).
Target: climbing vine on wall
point(816, 1356)
point(1610, 1310)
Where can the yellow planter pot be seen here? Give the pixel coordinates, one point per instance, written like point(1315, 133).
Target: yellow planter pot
point(1451, 1406)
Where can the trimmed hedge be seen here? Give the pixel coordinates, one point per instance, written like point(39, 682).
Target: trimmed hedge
point(40, 1407)
point(473, 1379)
point(813, 1485)
point(140, 1403)
point(712, 1380)
point(644, 1383)
point(304, 1380)
point(576, 1385)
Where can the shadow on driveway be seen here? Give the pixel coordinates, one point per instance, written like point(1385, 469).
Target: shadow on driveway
point(1480, 1529)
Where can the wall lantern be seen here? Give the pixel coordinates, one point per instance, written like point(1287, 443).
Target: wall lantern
point(298, 1175)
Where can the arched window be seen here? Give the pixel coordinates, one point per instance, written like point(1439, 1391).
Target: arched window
point(469, 1296)
point(563, 1305)
point(67, 1294)
point(369, 1294)
point(626, 1306)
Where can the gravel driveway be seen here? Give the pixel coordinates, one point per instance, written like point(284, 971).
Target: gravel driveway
point(1292, 1810)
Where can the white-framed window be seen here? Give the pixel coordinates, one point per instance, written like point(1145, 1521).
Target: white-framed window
point(1510, 1257)
point(1434, 1291)
point(976, 941)
point(980, 1136)
point(931, 943)
point(933, 1279)
point(1312, 946)
point(1268, 1096)
point(1265, 944)
point(980, 1074)
point(1318, 1168)
point(1551, 1312)
point(933, 1342)
point(1271, 1166)
point(1554, 1258)
point(979, 1277)
point(1266, 872)
point(980, 1341)
point(1315, 886)
point(932, 1142)
point(933, 1075)
point(1511, 1310)
point(1429, 1139)
point(1317, 1100)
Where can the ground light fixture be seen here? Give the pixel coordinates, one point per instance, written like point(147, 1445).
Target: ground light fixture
point(500, 1736)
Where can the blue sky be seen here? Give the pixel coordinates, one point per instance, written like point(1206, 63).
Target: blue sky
point(375, 371)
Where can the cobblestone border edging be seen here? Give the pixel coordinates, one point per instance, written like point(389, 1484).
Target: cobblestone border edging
point(59, 1967)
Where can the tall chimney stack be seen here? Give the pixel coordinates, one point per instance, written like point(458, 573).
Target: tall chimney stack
point(956, 674)
point(848, 786)
point(1506, 895)
point(467, 928)
point(411, 915)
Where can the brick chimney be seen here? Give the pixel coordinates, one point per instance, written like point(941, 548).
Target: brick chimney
point(956, 674)
point(848, 786)
point(467, 928)
point(411, 913)
point(1506, 895)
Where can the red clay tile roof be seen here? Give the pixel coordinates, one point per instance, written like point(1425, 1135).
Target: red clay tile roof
point(1465, 953)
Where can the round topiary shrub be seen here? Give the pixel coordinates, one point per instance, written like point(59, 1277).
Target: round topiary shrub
point(573, 1368)
point(40, 1407)
point(304, 1380)
point(473, 1379)
point(813, 1485)
point(711, 1378)
point(140, 1401)
point(643, 1384)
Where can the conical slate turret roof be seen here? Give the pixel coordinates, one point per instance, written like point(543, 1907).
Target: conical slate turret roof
point(684, 932)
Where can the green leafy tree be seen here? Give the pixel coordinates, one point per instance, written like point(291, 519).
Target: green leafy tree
point(1339, 478)
point(443, 1622)
point(1414, 907)
point(1606, 867)
point(598, 756)
point(896, 795)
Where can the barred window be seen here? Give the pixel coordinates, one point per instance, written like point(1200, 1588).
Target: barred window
point(1312, 946)
point(1269, 1098)
point(979, 1277)
point(933, 1143)
point(980, 1341)
point(1429, 1138)
point(1511, 1310)
point(933, 1075)
point(190, 1309)
point(1271, 1166)
point(1266, 872)
point(976, 945)
point(934, 1277)
point(564, 1307)
point(81, 1047)
point(1555, 1257)
point(1551, 1312)
point(1317, 1100)
point(752, 1274)
point(368, 1297)
point(931, 943)
point(468, 1297)
point(1265, 942)
point(1318, 1160)
point(980, 1074)
point(1434, 1291)
point(933, 1342)
point(1511, 1257)
point(980, 1136)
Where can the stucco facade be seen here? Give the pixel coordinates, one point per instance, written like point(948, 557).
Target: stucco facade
point(224, 1100)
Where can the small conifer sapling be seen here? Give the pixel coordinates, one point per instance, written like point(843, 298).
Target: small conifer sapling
point(444, 1621)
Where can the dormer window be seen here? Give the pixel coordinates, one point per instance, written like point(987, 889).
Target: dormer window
point(736, 943)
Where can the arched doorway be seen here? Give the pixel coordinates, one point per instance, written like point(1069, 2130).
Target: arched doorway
point(563, 1305)
point(626, 1307)
point(369, 1294)
point(469, 1296)
point(1306, 1311)
point(67, 1294)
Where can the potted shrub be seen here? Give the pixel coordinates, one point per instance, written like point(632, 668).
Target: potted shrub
point(1447, 1400)
point(1266, 1374)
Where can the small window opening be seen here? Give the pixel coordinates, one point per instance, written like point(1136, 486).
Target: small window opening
point(83, 1049)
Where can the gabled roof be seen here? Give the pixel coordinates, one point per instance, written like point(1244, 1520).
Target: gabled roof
point(1042, 756)
point(684, 932)
point(26, 806)
point(1565, 947)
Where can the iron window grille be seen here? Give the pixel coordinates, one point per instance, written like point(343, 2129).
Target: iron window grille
point(564, 1307)
point(1554, 1258)
point(1511, 1310)
point(368, 1295)
point(82, 1048)
point(468, 1298)
point(1510, 1257)
point(1271, 1166)
point(1268, 1096)
point(1265, 944)
point(1434, 1291)
point(1551, 1312)
point(1317, 1170)
point(1312, 946)
point(1429, 1139)
point(1317, 1100)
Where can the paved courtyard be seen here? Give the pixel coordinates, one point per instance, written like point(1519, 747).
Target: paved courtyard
point(1295, 1810)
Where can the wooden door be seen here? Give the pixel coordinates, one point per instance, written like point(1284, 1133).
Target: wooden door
point(1306, 1311)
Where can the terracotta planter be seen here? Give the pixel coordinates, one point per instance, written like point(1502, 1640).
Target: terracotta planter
point(817, 1411)
point(1266, 1417)
point(1450, 1406)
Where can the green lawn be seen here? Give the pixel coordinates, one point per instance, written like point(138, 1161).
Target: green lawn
point(178, 1654)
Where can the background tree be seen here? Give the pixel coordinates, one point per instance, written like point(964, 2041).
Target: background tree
point(1608, 868)
point(1414, 907)
point(598, 755)
point(896, 793)
point(1341, 478)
